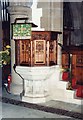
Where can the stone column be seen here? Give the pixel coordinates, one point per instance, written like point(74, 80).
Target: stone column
point(59, 53)
point(56, 21)
point(52, 19)
point(16, 10)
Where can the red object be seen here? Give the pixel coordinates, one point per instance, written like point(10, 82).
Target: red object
point(9, 82)
point(79, 91)
point(65, 76)
point(74, 83)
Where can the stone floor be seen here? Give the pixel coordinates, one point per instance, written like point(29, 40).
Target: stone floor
point(15, 111)
point(58, 107)
point(64, 105)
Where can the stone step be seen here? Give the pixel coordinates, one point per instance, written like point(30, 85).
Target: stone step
point(66, 96)
point(61, 84)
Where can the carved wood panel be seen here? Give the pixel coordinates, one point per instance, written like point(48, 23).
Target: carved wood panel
point(53, 52)
point(23, 52)
point(40, 36)
point(77, 64)
point(65, 59)
point(39, 51)
point(79, 60)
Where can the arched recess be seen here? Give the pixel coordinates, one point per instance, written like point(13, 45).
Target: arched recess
point(67, 15)
point(76, 12)
point(68, 23)
point(72, 21)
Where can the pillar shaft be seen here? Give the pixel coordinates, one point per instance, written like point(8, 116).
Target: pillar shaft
point(52, 20)
point(16, 11)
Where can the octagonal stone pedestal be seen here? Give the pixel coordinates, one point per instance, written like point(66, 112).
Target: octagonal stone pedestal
point(37, 82)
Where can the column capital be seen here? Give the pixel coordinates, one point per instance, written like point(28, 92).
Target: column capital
point(27, 3)
point(17, 11)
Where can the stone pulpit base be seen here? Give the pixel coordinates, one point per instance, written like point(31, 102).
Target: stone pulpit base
point(39, 82)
